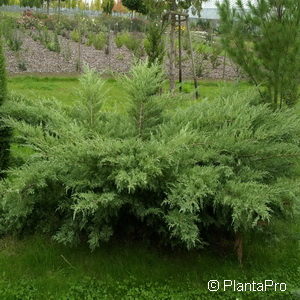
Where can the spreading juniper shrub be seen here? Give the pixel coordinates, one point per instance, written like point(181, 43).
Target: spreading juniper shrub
point(157, 171)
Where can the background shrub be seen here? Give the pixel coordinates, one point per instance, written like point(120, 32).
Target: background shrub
point(99, 41)
point(75, 36)
point(121, 39)
point(14, 40)
point(130, 41)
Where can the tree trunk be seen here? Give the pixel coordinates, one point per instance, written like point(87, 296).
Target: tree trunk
point(238, 245)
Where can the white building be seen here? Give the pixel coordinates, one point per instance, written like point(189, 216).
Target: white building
point(210, 10)
point(212, 3)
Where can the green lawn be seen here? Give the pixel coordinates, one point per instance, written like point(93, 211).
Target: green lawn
point(44, 268)
point(61, 88)
point(64, 88)
point(10, 13)
point(37, 268)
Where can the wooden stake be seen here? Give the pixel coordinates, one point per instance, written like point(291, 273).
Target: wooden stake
point(224, 65)
point(192, 57)
point(172, 52)
point(79, 47)
point(180, 53)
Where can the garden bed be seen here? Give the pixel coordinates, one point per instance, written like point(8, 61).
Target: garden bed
point(35, 58)
point(38, 59)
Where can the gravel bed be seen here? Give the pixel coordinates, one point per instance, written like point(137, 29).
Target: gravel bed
point(38, 59)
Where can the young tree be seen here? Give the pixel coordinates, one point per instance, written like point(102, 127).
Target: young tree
point(73, 3)
point(48, 6)
point(159, 9)
point(135, 5)
point(264, 41)
point(97, 5)
point(4, 2)
point(119, 7)
point(107, 6)
point(31, 3)
point(154, 43)
point(4, 131)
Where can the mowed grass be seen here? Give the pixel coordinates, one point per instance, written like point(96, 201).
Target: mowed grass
point(65, 88)
point(61, 88)
point(14, 14)
point(52, 269)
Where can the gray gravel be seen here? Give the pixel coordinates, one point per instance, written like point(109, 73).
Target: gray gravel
point(39, 59)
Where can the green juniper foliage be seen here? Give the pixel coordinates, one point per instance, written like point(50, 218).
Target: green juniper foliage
point(153, 172)
point(145, 109)
point(4, 131)
point(264, 40)
point(242, 160)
